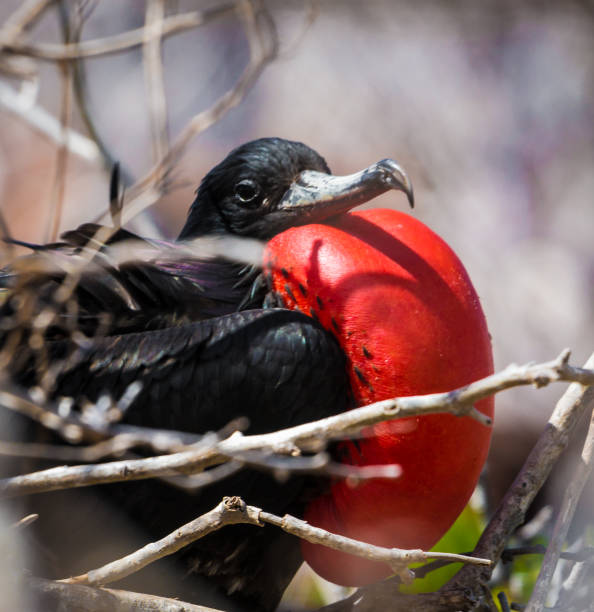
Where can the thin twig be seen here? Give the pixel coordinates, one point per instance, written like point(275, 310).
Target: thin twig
point(13, 400)
point(43, 320)
point(190, 483)
point(115, 446)
point(22, 18)
point(151, 187)
point(154, 79)
point(92, 150)
point(320, 463)
point(503, 602)
point(231, 511)
point(579, 556)
point(79, 82)
point(22, 105)
point(81, 597)
point(396, 558)
point(312, 11)
point(537, 467)
point(255, 18)
point(470, 583)
point(65, 477)
point(309, 436)
point(74, 428)
point(59, 186)
point(114, 44)
point(573, 491)
point(25, 521)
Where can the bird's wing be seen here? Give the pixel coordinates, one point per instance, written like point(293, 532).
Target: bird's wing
point(273, 366)
point(277, 367)
point(123, 283)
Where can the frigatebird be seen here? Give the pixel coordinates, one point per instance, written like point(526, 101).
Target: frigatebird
point(208, 342)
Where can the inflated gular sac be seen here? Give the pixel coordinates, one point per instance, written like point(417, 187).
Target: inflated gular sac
point(410, 322)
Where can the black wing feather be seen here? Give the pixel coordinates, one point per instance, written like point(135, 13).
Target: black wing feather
point(278, 367)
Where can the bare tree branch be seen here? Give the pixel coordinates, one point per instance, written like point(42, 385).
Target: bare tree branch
point(552, 442)
point(62, 596)
point(279, 451)
point(113, 44)
point(571, 497)
point(468, 588)
point(263, 45)
point(309, 436)
point(23, 17)
point(61, 168)
point(23, 106)
point(230, 511)
point(14, 26)
point(261, 36)
point(154, 79)
point(397, 559)
point(77, 428)
point(233, 510)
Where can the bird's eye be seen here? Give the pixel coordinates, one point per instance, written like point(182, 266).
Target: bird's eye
point(247, 190)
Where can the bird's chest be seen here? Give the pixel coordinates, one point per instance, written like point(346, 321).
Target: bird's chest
point(410, 323)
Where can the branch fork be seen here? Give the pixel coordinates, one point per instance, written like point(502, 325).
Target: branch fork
point(233, 510)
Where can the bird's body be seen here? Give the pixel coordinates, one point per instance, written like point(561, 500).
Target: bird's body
point(202, 339)
point(248, 363)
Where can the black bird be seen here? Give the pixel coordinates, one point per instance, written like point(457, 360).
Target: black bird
point(203, 338)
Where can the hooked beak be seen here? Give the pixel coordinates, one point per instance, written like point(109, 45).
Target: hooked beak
point(315, 196)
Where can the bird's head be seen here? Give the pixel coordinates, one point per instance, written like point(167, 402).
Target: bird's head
point(268, 185)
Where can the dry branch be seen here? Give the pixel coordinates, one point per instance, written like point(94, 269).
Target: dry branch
point(397, 559)
point(468, 589)
point(60, 596)
point(16, 55)
point(309, 436)
point(537, 467)
point(571, 497)
point(112, 44)
point(23, 106)
point(154, 76)
point(116, 471)
point(261, 36)
point(113, 437)
point(61, 167)
point(22, 18)
point(14, 26)
point(232, 511)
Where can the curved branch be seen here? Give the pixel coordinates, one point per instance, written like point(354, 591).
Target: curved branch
point(309, 436)
point(570, 499)
point(257, 23)
point(467, 590)
point(113, 44)
point(232, 511)
point(53, 594)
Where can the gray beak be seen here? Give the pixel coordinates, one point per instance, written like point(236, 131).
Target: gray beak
point(315, 196)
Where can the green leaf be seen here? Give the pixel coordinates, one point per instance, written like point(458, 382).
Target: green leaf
point(461, 537)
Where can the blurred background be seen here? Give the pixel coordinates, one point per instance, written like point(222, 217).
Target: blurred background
point(488, 105)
